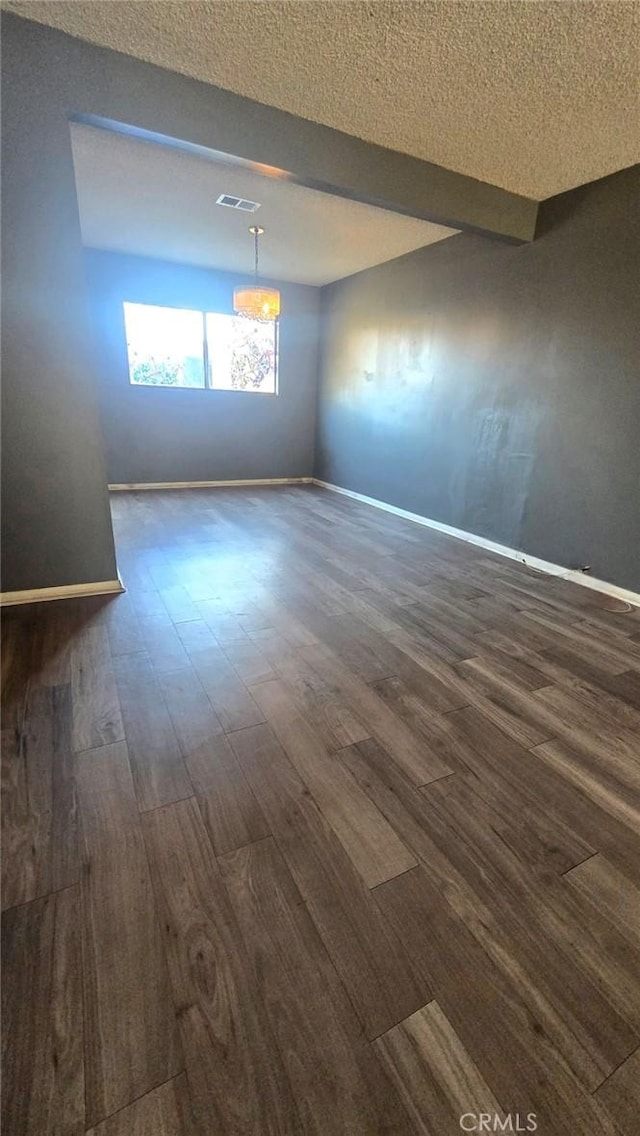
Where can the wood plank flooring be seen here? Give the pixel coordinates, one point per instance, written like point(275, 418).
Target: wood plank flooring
point(330, 824)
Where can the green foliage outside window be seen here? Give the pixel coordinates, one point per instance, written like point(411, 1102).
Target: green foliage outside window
point(155, 372)
point(252, 359)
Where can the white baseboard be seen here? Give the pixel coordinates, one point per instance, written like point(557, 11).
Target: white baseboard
point(208, 484)
point(63, 592)
point(575, 576)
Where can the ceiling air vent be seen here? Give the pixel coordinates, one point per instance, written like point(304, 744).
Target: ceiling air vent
point(238, 203)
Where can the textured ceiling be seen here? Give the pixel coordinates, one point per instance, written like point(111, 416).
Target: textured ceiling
point(536, 96)
point(144, 198)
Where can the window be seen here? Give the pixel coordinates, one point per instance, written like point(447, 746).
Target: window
point(175, 347)
point(164, 346)
point(242, 353)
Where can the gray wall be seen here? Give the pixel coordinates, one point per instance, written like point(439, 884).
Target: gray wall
point(497, 388)
point(55, 509)
point(159, 434)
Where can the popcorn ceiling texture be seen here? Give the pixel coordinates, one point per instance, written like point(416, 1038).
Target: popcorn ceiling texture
point(536, 97)
point(127, 194)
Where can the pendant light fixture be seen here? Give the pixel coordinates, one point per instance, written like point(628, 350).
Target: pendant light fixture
point(252, 300)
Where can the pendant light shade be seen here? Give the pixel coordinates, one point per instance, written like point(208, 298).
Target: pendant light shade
point(257, 303)
point(253, 300)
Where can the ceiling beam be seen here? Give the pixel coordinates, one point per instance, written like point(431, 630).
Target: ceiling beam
point(119, 92)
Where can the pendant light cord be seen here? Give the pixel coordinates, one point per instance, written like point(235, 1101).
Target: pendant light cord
point(255, 237)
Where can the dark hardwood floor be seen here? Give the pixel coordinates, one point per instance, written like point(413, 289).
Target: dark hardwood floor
point(329, 825)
